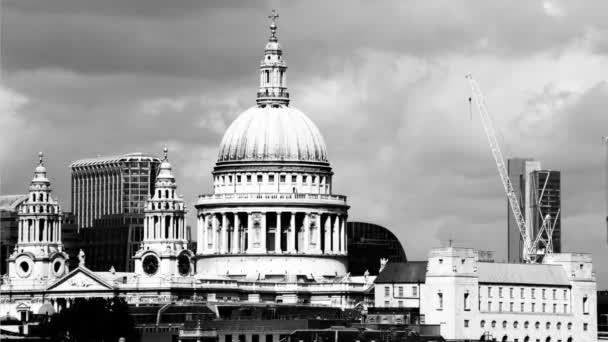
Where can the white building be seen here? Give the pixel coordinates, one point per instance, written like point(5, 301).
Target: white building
point(271, 233)
point(472, 299)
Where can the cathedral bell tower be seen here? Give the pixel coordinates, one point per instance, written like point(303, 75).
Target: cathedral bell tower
point(273, 90)
point(39, 252)
point(164, 250)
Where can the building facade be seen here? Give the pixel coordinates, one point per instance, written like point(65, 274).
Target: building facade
point(108, 199)
point(9, 223)
point(475, 300)
point(107, 186)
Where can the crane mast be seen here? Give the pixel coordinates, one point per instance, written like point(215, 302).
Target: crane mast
point(527, 253)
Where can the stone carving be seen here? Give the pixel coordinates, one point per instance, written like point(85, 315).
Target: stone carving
point(81, 258)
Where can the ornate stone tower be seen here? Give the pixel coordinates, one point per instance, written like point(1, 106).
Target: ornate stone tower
point(272, 70)
point(39, 252)
point(164, 250)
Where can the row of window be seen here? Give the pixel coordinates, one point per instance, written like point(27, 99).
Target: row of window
point(532, 293)
point(269, 178)
point(512, 307)
point(515, 325)
point(401, 292)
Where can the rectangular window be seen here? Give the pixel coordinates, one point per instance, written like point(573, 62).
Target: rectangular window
point(511, 307)
point(585, 306)
point(489, 305)
point(400, 303)
point(565, 294)
point(439, 301)
point(489, 292)
point(400, 291)
point(533, 307)
point(248, 178)
point(511, 293)
point(282, 178)
point(467, 302)
point(565, 308)
point(228, 338)
point(533, 293)
point(294, 178)
point(521, 307)
point(387, 291)
point(260, 178)
point(554, 308)
point(238, 180)
point(229, 179)
point(500, 292)
point(521, 293)
point(255, 338)
point(585, 326)
point(544, 294)
point(415, 291)
point(499, 306)
point(386, 303)
point(544, 307)
point(466, 323)
point(268, 338)
point(554, 294)
point(305, 179)
point(271, 180)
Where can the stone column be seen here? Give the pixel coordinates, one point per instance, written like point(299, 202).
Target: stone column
point(236, 234)
point(291, 242)
point(336, 235)
point(327, 228)
point(306, 232)
point(277, 235)
point(214, 240)
point(224, 237)
point(263, 234)
point(249, 233)
point(202, 234)
point(319, 232)
point(343, 229)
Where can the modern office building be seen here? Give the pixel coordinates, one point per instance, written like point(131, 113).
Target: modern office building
point(108, 199)
point(546, 200)
point(367, 244)
point(538, 194)
point(111, 185)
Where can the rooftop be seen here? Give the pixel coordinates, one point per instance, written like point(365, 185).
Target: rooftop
point(403, 272)
point(136, 156)
point(532, 274)
point(11, 202)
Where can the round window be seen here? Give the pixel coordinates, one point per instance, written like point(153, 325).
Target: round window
point(183, 264)
point(150, 265)
point(24, 267)
point(58, 267)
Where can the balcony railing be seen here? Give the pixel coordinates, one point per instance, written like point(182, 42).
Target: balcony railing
point(271, 197)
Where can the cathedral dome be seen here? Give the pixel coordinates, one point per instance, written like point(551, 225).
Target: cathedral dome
point(273, 133)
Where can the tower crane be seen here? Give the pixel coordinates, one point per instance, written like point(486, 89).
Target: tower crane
point(531, 252)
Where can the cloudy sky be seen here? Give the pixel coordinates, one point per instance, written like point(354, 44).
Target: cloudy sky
point(383, 81)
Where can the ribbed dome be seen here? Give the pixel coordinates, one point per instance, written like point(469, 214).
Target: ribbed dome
point(273, 134)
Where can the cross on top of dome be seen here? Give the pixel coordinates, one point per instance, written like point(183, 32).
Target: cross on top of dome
point(273, 90)
point(273, 25)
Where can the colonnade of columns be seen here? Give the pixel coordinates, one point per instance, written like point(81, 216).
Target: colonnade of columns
point(163, 227)
point(39, 230)
point(289, 232)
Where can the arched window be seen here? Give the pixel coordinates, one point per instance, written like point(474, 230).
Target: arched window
point(515, 325)
point(166, 193)
point(504, 324)
point(548, 325)
point(537, 325)
point(40, 197)
point(33, 197)
point(167, 223)
point(558, 325)
point(267, 76)
point(569, 325)
point(41, 229)
point(527, 339)
point(482, 323)
point(493, 324)
point(526, 324)
point(570, 339)
point(504, 338)
point(548, 339)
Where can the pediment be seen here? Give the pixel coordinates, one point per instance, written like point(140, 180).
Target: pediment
point(80, 280)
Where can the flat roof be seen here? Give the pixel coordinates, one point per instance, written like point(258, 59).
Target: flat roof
point(136, 156)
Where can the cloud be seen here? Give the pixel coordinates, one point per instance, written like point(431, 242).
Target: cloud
point(385, 84)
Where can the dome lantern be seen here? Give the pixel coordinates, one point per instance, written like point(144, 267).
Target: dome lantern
point(273, 90)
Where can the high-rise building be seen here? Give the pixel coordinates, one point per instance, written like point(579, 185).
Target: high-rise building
point(536, 189)
point(108, 199)
point(546, 200)
point(111, 185)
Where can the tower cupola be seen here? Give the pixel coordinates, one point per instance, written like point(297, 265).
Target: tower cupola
point(273, 89)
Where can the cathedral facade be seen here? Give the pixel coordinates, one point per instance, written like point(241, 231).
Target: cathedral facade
point(272, 231)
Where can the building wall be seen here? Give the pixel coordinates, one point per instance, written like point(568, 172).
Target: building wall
point(397, 295)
